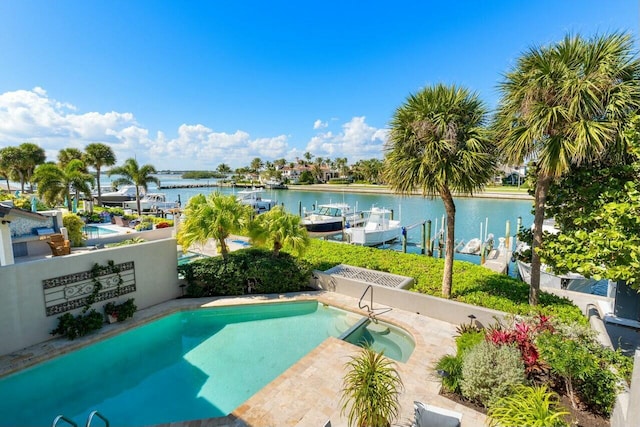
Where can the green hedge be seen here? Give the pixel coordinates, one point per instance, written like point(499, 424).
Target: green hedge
point(247, 271)
point(472, 284)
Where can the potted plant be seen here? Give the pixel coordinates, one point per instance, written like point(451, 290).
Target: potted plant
point(120, 312)
point(370, 390)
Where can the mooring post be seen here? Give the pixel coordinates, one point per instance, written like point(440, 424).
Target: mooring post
point(300, 208)
point(507, 235)
point(391, 215)
point(404, 240)
point(518, 227)
point(423, 236)
point(429, 249)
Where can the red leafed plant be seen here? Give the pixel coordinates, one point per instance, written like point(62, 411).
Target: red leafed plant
point(522, 335)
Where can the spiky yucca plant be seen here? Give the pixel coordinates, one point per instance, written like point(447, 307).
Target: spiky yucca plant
point(370, 390)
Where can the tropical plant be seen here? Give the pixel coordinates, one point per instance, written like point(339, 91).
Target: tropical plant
point(98, 155)
point(246, 271)
point(55, 184)
point(489, 372)
point(438, 145)
point(562, 105)
point(131, 173)
point(5, 164)
point(370, 390)
point(74, 224)
point(449, 369)
point(212, 217)
point(278, 230)
point(122, 311)
point(527, 406)
point(66, 155)
point(31, 155)
point(76, 326)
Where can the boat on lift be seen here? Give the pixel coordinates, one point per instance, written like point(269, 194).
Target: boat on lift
point(253, 198)
point(125, 193)
point(378, 228)
point(331, 217)
point(151, 202)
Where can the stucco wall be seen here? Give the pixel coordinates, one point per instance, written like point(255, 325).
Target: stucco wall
point(23, 321)
point(438, 308)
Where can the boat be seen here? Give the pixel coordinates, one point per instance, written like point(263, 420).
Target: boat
point(473, 246)
point(125, 193)
point(569, 281)
point(273, 184)
point(254, 199)
point(151, 202)
point(331, 217)
point(379, 228)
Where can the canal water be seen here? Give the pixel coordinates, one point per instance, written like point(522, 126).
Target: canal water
point(472, 214)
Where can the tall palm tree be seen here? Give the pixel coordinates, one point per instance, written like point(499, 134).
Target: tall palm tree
point(278, 230)
point(55, 184)
point(31, 155)
point(212, 217)
point(438, 145)
point(6, 163)
point(65, 156)
point(133, 174)
point(564, 105)
point(98, 155)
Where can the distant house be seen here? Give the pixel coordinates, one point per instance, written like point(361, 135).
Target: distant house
point(511, 175)
point(293, 173)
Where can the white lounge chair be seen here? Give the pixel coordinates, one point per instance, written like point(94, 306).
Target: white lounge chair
point(432, 416)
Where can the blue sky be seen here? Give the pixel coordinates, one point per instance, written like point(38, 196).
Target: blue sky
point(190, 85)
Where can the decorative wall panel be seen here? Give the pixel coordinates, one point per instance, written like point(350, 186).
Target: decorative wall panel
point(66, 293)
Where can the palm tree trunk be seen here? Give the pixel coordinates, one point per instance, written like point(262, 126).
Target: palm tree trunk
point(276, 249)
point(450, 209)
point(224, 251)
point(542, 188)
point(99, 189)
point(138, 200)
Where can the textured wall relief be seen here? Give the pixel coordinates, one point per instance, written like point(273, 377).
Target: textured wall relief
point(69, 292)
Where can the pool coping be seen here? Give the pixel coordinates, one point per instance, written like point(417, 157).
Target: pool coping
point(252, 412)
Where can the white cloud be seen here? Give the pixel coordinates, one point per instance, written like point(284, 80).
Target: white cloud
point(319, 124)
point(31, 115)
point(356, 141)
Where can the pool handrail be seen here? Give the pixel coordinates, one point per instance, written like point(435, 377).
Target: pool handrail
point(99, 415)
point(63, 418)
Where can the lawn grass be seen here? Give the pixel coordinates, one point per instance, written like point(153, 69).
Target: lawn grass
point(472, 284)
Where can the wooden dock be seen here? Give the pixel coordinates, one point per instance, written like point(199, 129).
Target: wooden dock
point(498, 260)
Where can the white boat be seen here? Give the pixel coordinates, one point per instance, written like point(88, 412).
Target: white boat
point(379, 228)
point(331, 217)
point(273, 184)
point(117, 198)
point(570, 281)
point(473, 246)
point(150, 202)
point(254, 199)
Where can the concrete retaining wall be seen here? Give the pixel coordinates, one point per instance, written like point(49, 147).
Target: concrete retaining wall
point(23, 321)
point(438, 308)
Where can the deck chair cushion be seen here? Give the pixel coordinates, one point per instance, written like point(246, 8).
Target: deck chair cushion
point(432, 416)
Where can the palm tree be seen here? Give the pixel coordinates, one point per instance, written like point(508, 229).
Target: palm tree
point(564, 105)
point(6, 163)
point(134, 175)
point(55, 183)
point(223, 168)
point(65, 155)
point(98, 155)
point(212, 217)
point(31, 155)
point(437, 144)
point(279, 230)
point(256, 164)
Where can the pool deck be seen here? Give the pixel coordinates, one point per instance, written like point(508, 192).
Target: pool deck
point(308, 393)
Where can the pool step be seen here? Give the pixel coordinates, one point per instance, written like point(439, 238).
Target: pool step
point(378, 328)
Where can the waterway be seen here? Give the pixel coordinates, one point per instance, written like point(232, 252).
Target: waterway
point(472, 214)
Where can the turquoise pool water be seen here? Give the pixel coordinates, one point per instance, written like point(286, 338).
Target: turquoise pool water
point(94, 231)
point(188, 365)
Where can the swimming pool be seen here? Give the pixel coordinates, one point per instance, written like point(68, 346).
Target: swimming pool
point(188, 365)
point(93, 231)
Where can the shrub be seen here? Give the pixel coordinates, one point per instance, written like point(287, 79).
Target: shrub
point(163, 224)
point(489, 372)
point(468, 340)
point(527, 407)
point(77, 326)
point(449, 368)
point(74, 225)
point(121, 311)
point(245, 271)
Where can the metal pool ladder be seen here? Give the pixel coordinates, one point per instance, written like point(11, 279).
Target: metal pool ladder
point(372, 312)
point(89, 419)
